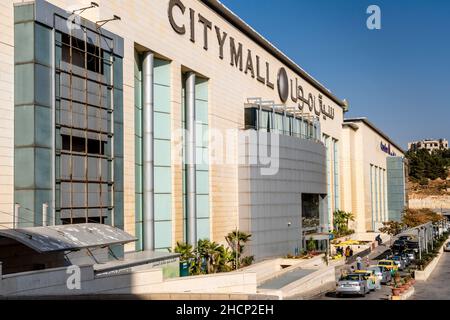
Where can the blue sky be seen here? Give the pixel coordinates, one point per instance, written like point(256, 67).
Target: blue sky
point(398, 77)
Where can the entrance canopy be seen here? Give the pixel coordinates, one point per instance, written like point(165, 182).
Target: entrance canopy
point(68, 237)
point(318, 236)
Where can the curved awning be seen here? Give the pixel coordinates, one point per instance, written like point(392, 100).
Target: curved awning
point(68, 237)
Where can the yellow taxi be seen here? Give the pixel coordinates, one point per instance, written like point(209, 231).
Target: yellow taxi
point(388, 264)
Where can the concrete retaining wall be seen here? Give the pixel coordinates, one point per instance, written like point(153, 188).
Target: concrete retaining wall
point(54, 282)
point(432, 202)
point(232, 282)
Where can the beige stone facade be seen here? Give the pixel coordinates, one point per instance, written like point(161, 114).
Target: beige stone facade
point(364, 193)
point(146, 24)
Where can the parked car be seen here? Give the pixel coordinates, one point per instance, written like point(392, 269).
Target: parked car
point(373, 282)
point(399, 246)
point(412, 245)
point(352, 284)
point(447, 247)
point(388, 264)
point(411, 255)
point(383, 274)
point(405, 258)
point(399, 261)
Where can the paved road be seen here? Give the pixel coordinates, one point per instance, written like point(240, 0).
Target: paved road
point(437, 287)
point(382, 294)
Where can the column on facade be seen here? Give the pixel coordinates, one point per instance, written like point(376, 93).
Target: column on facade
point(147, 152)
point(190, 145)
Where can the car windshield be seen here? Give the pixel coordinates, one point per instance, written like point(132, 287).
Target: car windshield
point(352, 277)
point(385, 263)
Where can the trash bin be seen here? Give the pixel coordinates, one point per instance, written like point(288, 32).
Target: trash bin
point(184, 268)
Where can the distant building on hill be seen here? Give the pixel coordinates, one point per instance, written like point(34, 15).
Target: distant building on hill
point(428, 144)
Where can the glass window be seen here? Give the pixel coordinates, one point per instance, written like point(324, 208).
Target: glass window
point(202, 206)
point(43, 45)
point(162, 102)
point(24, 84)
point(250, 118)
point(81, 54)
point(266, 121)
point(310, 211)
point(162, 152)
point(163, 234)
point(203, 228)
point(23, 12)
point(23, 42)
point(163, 207)
point(162, 126)
point(163, 180)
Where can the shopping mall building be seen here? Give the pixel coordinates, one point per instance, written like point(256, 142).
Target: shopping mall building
point(176, 121)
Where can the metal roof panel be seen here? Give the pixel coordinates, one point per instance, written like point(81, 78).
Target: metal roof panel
point(68, 237)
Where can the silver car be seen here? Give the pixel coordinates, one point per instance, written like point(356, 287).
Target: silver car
point(352, 284)
point(383, 274)
point(447, 247)
point(411, 256)
point(400, 262)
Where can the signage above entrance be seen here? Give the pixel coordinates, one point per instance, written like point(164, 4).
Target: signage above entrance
point(245, 60)
point(387, 149)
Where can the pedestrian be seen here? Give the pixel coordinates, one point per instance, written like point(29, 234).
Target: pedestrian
point(359, 263)
point(351, 252)
point(379, 240)
point(367, 262)
point(352, 269)
point(347, 252)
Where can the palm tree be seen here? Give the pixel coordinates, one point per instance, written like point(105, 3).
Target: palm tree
point(236, 241)
point(341, 220)
point(185, 250)
point(348, 217)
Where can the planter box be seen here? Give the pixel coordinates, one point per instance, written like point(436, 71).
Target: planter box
point(405, 295)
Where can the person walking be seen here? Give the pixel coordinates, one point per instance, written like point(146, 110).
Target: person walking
point(347, 252)
point(359, 263)
point(379, 240)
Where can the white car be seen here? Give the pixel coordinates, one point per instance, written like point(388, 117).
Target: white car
point(447, 247)
point(352, 284)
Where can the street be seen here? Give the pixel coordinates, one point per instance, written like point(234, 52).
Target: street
point(437, 287)
point(382, 294)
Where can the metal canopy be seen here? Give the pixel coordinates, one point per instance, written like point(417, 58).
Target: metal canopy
point(68, 237)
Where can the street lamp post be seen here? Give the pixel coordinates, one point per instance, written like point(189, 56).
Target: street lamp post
point(419, 232)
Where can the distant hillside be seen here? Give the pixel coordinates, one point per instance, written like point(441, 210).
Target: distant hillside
point(435, 195)
point(436, 187)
